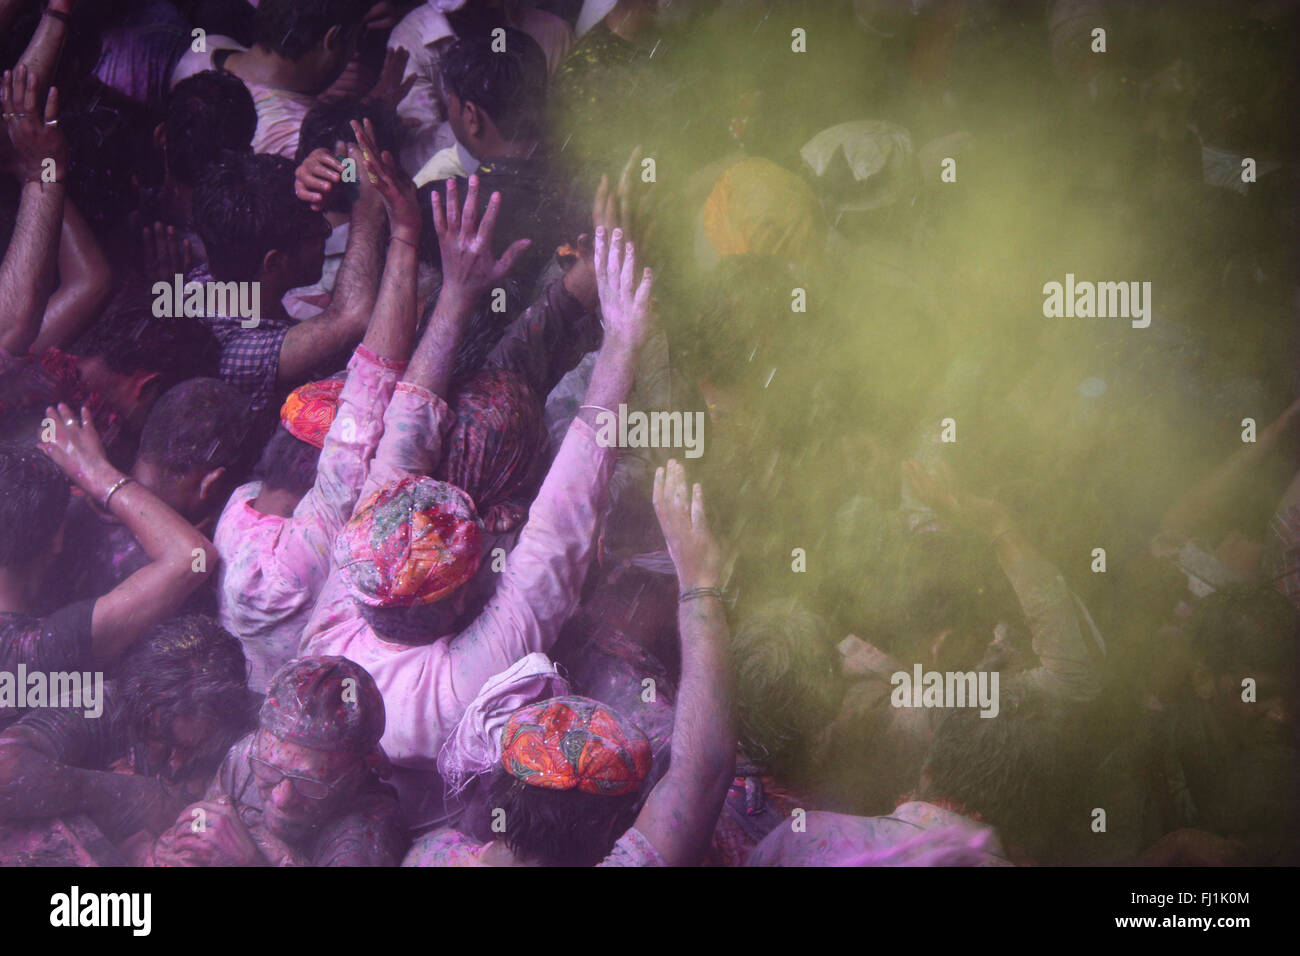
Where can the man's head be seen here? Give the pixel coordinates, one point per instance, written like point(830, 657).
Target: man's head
point(253, 226)
point(1243, 633)
point(788, 685)
point(32, 509)
point(194, 445)
point(207, 114)
point(317, 739)
point(328, 124)
point(185, 688)
point(571, 773)
point(131, 357)
point(1014, 770)
point(318, 36)
point(405, 555)
point(495, 98)
point(290, 458)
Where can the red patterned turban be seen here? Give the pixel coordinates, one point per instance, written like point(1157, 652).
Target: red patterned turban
point(413, 542)
point(575, 742)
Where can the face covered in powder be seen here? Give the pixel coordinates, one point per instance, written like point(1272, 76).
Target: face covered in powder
point(301, 787)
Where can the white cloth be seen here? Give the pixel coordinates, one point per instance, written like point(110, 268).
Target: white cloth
point(593, 11)
point(423, 108)
point(879, 155)
point(474, 747)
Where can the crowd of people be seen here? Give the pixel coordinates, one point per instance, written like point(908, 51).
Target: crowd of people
point(351, 360)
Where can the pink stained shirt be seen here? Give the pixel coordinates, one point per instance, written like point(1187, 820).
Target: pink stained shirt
point(427, 688)
point(273, 567)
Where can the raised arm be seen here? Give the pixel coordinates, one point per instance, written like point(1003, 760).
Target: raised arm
point(42, 53)
point(309, 344)
point(418, 416)
point(372, 374)
point(468, 271)
point(1210, 497)
point(391, 333)
point(85, 281)
point(27, 273)
point(679, 815)
point(544, 573)
point(173, 545)
point(1057, 619)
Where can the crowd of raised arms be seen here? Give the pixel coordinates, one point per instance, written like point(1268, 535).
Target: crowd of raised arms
point(633, 433)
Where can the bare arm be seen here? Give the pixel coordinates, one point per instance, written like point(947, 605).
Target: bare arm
point(468, 271)
point(1206, 500)
point(155, 591)
point(308, 344)
point(85, 282)
point(391, 333)
point(1057, 619)
point(27, 274)
point(35, 786)
point(682, 810)
point(42, 53)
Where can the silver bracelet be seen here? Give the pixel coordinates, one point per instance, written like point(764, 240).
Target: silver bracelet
point(691, 593)
point(116, 486)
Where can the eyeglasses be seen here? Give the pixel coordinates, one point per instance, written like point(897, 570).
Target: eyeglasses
point(270, 776)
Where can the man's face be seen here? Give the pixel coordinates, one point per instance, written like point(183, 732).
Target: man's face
point(288, 812)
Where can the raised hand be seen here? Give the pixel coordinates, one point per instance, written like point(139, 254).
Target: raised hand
point(33, 129)
point(468, 266)
point(391, 89)
point(315, 179)
point(680, 510)
point(624, 303)
point(394, 187)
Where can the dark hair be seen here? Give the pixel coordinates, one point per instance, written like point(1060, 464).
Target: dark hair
point(1014, 770)
point(413, 626)
point(730, 339)
point(199, 425)
point(787, 681)
point(33, 504)
point(207, 114)
point(289, 463)
point(293, 28)
point(327, 123)
point(244, 206)
point(188, 666)
point(559, 827)
point(1245, 624)
point(509, 86)
point(133, 340)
